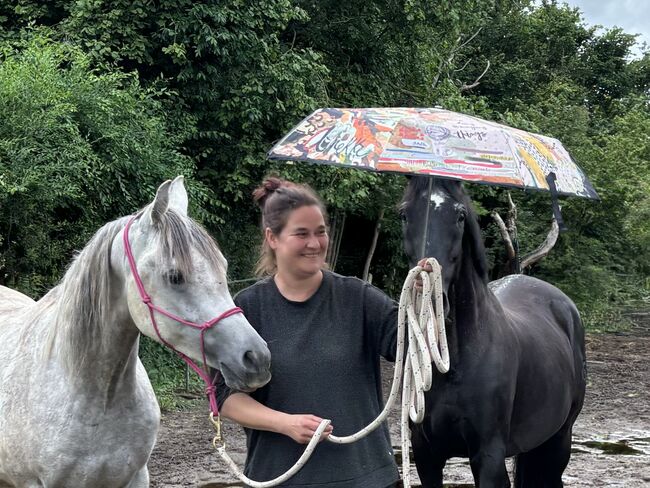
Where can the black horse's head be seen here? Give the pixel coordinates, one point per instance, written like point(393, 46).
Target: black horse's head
point(453, 235)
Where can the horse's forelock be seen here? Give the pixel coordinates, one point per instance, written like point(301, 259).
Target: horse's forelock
point(179, 235)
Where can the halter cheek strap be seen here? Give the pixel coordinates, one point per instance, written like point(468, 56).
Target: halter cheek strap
point(146, 299)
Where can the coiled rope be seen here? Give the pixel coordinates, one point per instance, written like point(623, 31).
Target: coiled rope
point(421, 314)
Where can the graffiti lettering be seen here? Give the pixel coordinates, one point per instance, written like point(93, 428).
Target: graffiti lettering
point(466, 134)
point(341, 140)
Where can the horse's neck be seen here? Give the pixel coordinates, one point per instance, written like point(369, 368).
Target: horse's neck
point(470, 305)
point(109, 363)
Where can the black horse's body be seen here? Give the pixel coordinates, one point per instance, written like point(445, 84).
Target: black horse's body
point(517, 378)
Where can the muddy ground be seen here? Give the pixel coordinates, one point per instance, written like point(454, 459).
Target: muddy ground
point(611, 437)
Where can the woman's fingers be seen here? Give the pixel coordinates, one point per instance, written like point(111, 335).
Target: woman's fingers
point(302, 428)
point(426, 268)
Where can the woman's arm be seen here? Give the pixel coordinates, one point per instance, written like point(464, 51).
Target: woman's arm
point(250, 413)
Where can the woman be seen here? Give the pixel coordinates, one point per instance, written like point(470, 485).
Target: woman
point(326, 333)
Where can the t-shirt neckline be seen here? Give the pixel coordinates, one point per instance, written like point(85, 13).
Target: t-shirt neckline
point(304, 302)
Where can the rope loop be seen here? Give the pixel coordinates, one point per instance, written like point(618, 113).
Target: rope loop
point(420, 315)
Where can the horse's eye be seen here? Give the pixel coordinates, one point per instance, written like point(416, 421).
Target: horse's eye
point(402, 215)
point(175, 277)
point(461, 217)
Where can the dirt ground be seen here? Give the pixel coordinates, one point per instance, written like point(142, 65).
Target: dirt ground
point(611, 442)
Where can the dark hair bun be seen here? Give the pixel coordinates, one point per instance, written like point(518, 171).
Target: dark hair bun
point(269, 186)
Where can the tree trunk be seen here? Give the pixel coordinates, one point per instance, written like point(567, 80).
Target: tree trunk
point(337, 225)
point(373, 246)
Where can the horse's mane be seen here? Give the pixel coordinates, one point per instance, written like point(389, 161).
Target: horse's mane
point(84, 300)
point(472, 237)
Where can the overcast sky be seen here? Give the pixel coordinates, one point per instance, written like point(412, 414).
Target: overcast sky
point(633, 16)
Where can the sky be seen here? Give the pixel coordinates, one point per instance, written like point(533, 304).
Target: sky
point(633, 16)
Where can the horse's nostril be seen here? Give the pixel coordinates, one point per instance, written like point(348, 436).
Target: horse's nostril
point(255, 360)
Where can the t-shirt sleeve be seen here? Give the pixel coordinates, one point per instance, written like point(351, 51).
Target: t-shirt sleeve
point(380, 317)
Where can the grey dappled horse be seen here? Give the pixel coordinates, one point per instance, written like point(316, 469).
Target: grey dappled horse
point(517, 378)
point(76, 406)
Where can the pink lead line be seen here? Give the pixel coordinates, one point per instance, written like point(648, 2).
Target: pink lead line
point(210, 389)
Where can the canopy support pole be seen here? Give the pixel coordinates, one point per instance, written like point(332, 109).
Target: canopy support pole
point(425, 236)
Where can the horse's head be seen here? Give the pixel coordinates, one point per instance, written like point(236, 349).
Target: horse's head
point(453, 235)
point(178, 265)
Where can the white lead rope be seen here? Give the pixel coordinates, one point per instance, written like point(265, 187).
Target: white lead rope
point(428, 341)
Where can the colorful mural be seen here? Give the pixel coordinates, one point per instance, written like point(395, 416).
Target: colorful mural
point(434, 142)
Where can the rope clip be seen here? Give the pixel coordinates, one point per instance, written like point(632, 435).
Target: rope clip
point(218, 441)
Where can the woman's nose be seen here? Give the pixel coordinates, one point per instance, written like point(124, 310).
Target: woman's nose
point(313, 242)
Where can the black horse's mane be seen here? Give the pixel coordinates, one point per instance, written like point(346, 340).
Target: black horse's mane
point(472, 236)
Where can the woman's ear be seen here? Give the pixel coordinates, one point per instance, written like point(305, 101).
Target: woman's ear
point(270, 238)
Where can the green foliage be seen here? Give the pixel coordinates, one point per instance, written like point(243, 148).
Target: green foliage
point(77, 148)
point(225, 64)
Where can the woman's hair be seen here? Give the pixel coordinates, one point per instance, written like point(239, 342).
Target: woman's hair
point(277, 198)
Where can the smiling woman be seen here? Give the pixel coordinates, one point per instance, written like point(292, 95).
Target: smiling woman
point(326, 333)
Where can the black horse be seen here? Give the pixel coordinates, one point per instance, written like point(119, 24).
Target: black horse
point(517, 378)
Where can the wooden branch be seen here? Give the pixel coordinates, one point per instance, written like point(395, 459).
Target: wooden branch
point(544, 248)
point(373, 246)
point(476, 82)
point(505, 235)
point(463, 66)
point(333, 232)
point(470, 39)
point(404, 91)
point(452, 54)
point(336, 243)
point(512, 216)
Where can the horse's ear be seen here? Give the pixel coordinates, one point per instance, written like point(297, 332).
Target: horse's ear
point(159, 205)
point(178, 196)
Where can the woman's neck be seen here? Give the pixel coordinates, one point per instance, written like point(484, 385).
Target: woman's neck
point(297, 289)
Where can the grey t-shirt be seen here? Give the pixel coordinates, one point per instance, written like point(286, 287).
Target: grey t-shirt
point(324, 361)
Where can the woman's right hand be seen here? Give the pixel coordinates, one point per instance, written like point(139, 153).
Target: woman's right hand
point(301, 427)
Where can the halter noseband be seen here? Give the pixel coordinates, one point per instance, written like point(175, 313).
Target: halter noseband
point(146, 299)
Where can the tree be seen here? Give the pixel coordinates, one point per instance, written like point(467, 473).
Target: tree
point(77, 148)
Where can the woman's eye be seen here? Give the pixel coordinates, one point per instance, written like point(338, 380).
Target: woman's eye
point(175, 277)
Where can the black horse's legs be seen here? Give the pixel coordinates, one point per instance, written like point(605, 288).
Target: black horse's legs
point(543, 466)
point(429, 461)
point(489, 468)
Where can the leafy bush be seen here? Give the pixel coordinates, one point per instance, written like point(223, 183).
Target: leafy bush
point(77, 149)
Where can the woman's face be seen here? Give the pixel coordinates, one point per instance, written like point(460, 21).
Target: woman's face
point(301, 246)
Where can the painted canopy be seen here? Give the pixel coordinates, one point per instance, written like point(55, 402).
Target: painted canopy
point(433, 142)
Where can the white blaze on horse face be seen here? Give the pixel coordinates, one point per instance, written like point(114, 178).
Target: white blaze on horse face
point(438, 198)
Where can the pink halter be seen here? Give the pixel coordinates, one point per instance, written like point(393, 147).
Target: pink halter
point(146, 299)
